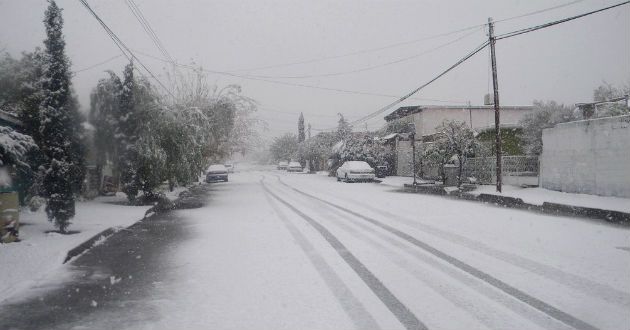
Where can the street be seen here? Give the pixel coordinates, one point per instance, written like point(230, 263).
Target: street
point(275, 250)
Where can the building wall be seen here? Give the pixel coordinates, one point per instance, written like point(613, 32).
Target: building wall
point(482, 117)
point(588, 156)
point(404, 163)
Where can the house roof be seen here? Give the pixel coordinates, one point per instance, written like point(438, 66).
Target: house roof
point(409, 110)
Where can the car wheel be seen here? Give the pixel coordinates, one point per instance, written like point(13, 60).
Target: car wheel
point(338, 179)
point(346, 180)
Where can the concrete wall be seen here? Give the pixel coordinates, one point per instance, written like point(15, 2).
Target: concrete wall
point(404, 162)
point(480, 116)
point(588, 156)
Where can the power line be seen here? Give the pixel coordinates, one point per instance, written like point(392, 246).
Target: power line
point(398, 44)
point(97, 64)
point(478, 49)
point(564, 20)
point(347, 91)
point(121, 45)
point(135, 10)
point(408, 95)
point(539, 11)
point(400, 60)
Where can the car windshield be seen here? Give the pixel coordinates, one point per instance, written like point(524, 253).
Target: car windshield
point(401, 164)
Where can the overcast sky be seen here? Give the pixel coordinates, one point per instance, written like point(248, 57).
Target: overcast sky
point(563, 63)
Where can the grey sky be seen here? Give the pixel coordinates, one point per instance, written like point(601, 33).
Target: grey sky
point(564, 63)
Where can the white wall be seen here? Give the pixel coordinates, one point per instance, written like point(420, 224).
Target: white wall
point(588, 156)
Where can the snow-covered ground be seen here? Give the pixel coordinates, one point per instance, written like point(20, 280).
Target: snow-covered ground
point(257, 262)
point(536, 196)
point(278, 250)
point(539, 195)
point(39, 255)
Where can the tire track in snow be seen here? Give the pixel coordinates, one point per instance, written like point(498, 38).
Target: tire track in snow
point(576, 282)
point(479, 274)
point(489, 318)
point(361, 318)
point(402, 312)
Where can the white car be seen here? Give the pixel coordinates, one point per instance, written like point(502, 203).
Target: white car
point(355, 171)
point(217, 172)
point(230, 167)
point(294, 167)
point(283, 165)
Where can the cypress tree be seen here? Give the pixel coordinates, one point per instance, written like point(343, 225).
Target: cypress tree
point(128, 136)
point(301, 135)
point(60, 139)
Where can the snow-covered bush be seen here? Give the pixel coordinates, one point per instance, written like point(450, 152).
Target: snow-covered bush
point(14, 146)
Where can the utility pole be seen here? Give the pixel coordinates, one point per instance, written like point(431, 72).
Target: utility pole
point(412, 136)
point(497, 116)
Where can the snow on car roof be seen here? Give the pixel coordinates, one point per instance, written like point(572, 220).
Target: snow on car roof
point(358, 164)
point(216, 167)
point(295, 164)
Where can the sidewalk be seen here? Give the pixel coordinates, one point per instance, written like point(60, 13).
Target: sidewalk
point(612, 209)
point(41, 253)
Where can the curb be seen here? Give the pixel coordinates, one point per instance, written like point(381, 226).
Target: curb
point(180, 203)
point(610, 216)
point(89, 243)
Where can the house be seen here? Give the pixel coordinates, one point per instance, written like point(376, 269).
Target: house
point(426, 118)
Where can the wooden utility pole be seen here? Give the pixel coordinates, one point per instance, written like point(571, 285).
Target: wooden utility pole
point(497, 116)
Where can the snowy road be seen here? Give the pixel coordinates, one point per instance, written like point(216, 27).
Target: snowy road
point(273, 250)
point(292, 251)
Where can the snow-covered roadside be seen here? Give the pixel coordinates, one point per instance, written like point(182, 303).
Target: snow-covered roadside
point(538, 196)
point(40, 254)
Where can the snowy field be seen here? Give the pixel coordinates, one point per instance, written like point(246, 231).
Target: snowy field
point(39, 255)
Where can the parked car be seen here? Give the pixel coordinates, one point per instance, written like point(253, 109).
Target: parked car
point(217, 172)
point(294, 167)
point(229, 167)
point(355, 171)
point(283, 165)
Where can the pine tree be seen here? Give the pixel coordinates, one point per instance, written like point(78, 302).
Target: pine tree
point(127, 136)
point(60, 139)
point(301, 135)
point(344, 130)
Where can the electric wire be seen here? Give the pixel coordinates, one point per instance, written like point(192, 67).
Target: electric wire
point(122, 46)
point(98, 64)
point(408, 95)
point(550, 24)
point(400, 60)
point(403, 43)
point(135, 10)
point(347, 91)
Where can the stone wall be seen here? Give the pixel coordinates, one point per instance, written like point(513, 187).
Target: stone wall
point(588, 156)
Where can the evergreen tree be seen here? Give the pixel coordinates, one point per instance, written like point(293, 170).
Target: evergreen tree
point(344, 130)
point(60, 136)
point(128, 127)
point(104, 110)
point(301, 135)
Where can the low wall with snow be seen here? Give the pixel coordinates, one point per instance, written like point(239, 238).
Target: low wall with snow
point(588, 156)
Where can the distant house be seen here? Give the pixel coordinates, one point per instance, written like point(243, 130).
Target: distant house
point(427, 117)
point(480, 118)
